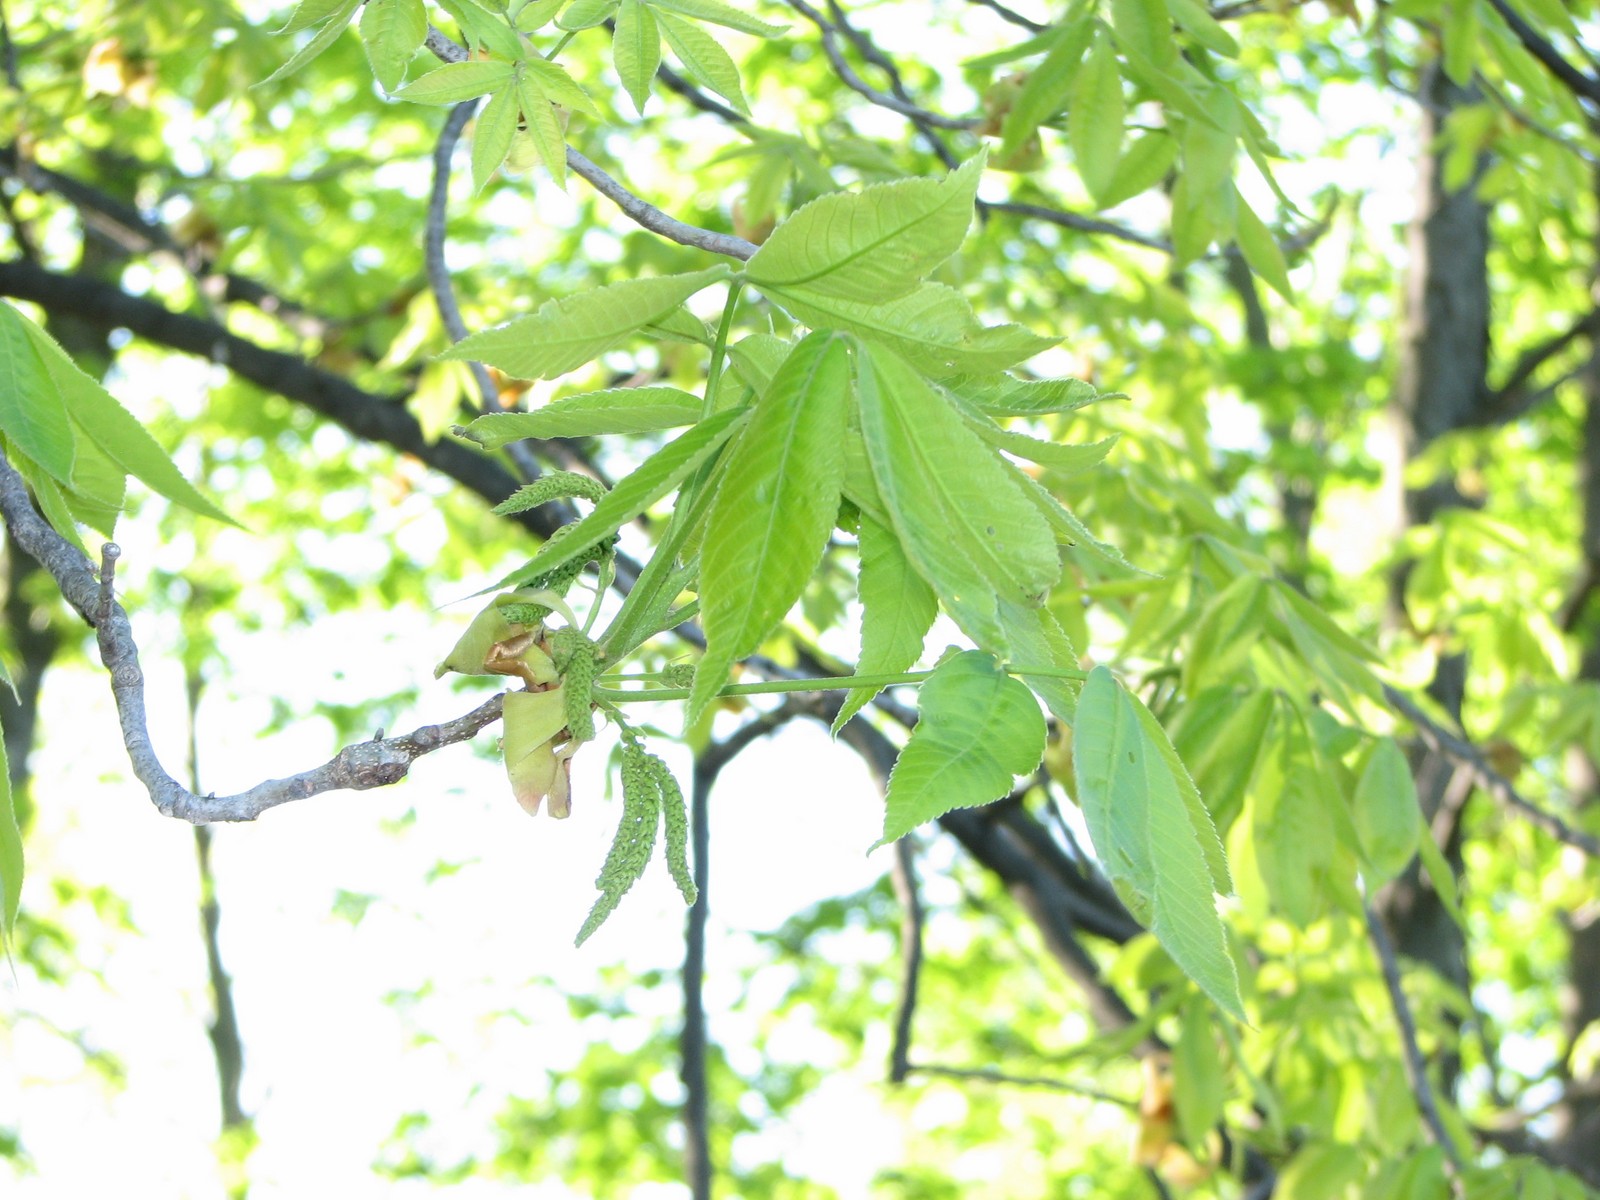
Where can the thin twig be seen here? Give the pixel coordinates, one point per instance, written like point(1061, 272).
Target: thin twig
point(359, 767)
point(1464, 753)
point(692, 1043)
point(1415, 1067)
point(903, 873)
point(987, 1075)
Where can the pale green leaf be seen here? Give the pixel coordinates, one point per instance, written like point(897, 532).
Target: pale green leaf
point(48, 495)
point(586, 14)
point(1145, 25)
point(757, 358)
point(897, 610)
point(705, 59)
point(564, 334)
point(1199, 24)
point(1385, 813)
point(636, 50)
point(719, 13)
point(590, 414)
point(391, 31)
point(1228, 629)
point(311, 12)
point(1059, 456)
point(33, 408)
point(870, 246)
point(1260, 249)
point(553, 83)
point(1144, 163)
point(10, 854)
point(1008, 396)
point(977, 729)
point(535, 15)
point(1048, 86)
point(492, 133)
point(1156, 844)
point(1461, 41)
point(1095, 118)
point(485, 30)
point(653, 479)
point(544, 129)
point(455, 82)
point(963, 522)
point(1037, 639)
point(1199, 1080)
point(932, 326)
point(338, 19)
point(98, 486)
point(774, 509)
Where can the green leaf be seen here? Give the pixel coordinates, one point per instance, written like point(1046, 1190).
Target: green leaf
point(775, 506)
point(564, 334)
point(1227, 631)
point(977, 728)
point(1203, 27)
point(338, 19)
point(485, 30)
point(308, 13)
point(1336, 660)
point(554, 84)
point(1095, 118)
point(704, 58)
point(721, 14)
point(1461, 41)
point(114, 429)
point(653, 479)
point(897, 610)
point(391, 31)
point(1386, 814)
point(1199, 1081)
point(932, 326)
point(1047, 87)
point(10, 854)
point(1152, 833)
point(590, 414)
point(873, 245)
point(47, 493)
point(98, 488)
point(1037, 639)
point(1144, 163)
point(1145, 25)
point(1260, 249)
point(636, 50)
point(544, 129)
point(963, 523)
point(1008, 396)
point(33, 409)
point(492, 134)
point(1059, 455)
point(586, 14)
point(455, 82)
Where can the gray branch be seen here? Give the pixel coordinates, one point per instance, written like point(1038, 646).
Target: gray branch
point(364, 765)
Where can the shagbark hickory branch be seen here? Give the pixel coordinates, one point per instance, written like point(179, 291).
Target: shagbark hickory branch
point(359, 767)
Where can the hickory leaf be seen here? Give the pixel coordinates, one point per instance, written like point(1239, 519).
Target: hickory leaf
point(719, 13)
point(338, 19)
point(897, 610)
point(491, 136)
point(1385, 813)
point(564, 334)
point(1048, 85)
point(33, 408)
point(636, 50)
point(590, 414)
point(455, 82)
point(774, 508)
point(391, 31)
point(964, 524)
point(872, 245)
point(704, 59)
point(1008, 396)
point(977, 729)
point(1095, 118)
point(1152, 834)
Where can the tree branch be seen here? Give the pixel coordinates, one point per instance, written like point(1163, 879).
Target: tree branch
point(1463, 753)
point(903, 872)
point(1584, 87)
point(987, 1075)
point(359, 767)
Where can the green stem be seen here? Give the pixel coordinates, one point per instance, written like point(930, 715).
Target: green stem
point(830, 683)
point(719, 350)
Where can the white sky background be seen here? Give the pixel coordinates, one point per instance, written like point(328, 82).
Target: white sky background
point(329, 1065)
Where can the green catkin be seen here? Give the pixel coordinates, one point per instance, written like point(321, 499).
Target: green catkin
point(578, 660)
point(555, 485)
point(678, 675)
point(675, 815)
point(636, 837)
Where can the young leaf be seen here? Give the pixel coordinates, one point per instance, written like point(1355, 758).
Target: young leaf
point(873, 245)
point(719, 13)
point(10, 854)
point(1203, 27)
point(543, 129)
point(1385, 812)
point(977, 728)
point(338, 19)
point(33, 409)
point(1260, 249)
point(897, 610)
point(1037, 640)
point(774, 508)
point(704, 59)
point(653, 479)
point(1008, 396)
point(586, 14)
point(556, 85)
point(1048, 85)
point(569, 332)
point(391, 31)
point(636, 50)
point(590, 414)
point(484, 30)
point(1152, 834)
point(1145, 162)
point(1095, 118)
point(308, 13)
point(455, 82)
point(492, 134)
point(933, 326)
point(966, 526)
point(115, 431)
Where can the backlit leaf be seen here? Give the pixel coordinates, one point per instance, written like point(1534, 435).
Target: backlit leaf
point(590, 414)
point(704, 58)
point(897, 610)
point(1386, 814)
point(1153, 836)
point(492, 134)
point(564, 334)
point(455, 82)
point(636, 50)
point(1095, 118)
point(1048, 85)
point(391, 31)
point(719, 13)
point(338, 20)
point(977, 728)
point(33, 410)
